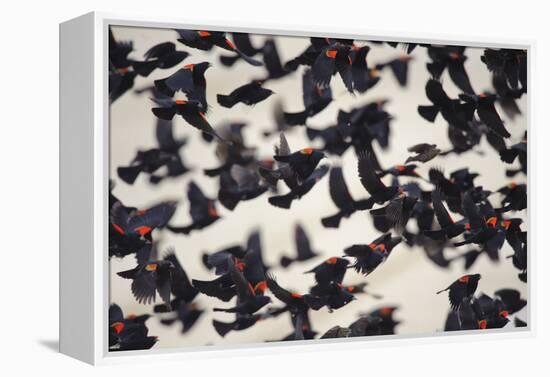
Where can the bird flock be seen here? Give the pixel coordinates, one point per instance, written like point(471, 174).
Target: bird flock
point(435, 213)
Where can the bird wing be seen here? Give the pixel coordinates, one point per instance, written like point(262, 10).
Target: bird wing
point(279, 292)
point(303, 246)
point(443, 217)
point(472, 212)
point(338, 189)
point(367, 174)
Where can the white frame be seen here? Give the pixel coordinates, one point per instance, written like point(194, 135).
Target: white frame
point(84, 141)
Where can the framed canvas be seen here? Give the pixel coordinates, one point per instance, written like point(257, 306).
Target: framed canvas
point(245, 188)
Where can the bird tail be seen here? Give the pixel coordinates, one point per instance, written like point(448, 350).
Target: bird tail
point(226, 101)
point(332, 221)
point(128, 274)
point(441, 291)
point(222, 328)
point(295, 119)
point(281, 201)
point(129, 173)
point(428, 112)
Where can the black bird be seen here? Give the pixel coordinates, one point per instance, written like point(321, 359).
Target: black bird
point(294, 302)
point(408, 170)
point(303, 162)
point(455, 112)
point(448, 227)
point(163, 55)
point(244, 45)
point(452, 59)
point(333, 58)
point(461, 289)
point(396, 213)
point(191, 111)
point(335, 138)
point(484, 104)
point(424, 152)
point(151, 276)
point(249, 94)
point(369, 257)
point(380, 193)
point(332, 295)
point(140, 223)
point(331, 270)
point(190, 80)
point(248, 301)
point(399, 67)
point(316, 99)
point(388, 323)
point(342, 198)
point(272, 61)
point(128, 333)
point(168, 143)
point(205, 40)
point(515, 197)
point(285, 201)
point(147, 161)
point(303, 248)
point(121, 72)
point(202, 209)
point(182, 307)
point(244, 321)
point(239, 184)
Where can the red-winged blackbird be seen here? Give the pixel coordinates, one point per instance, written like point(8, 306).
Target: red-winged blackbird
point(380, 193)
point(507, 96)
point(303, 248)
point(484, 104)
point(462, 289)
point(455, 112)
point(182, 306)
point(191, 111)
point(363, 77)
point(336, 332)
point(316, 99)
point(121, 72)
point(243, 44)
point(163, 55)
point(396, 213)
point(140, 223)
point(150, 276)
point(147, 161)
point(295, 302)
point(249, 94)
point(331, 270)
point(202, 209)
point(190, 80)
point(254, 267)
point(272, 61)
point(302, 162)
point(388, 323)
point(169, 144)
point(518, 150)
point(239, 184)
point(448, 227)
point(219, 260)
point(244, 321)
point(424, 152)
point(451, 58)
point(248, 301)
point(401, 171)
point(333, 58)
point(360, 288)
point(365, 326)
point(515, 197)
point(205, 40)
point(302, 328)
point(510, 63)
point(399, 67)
point(342, 198)
point(332, 295)
point(285, 201)
point(130, 333)
point(369, 257)
point(511, 300)
point(222, 288)
point(486, 231)
point(283, 171)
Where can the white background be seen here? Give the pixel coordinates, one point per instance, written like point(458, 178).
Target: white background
point(29, 148)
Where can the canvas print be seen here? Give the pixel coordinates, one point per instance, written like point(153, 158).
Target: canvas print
point(274, 188)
